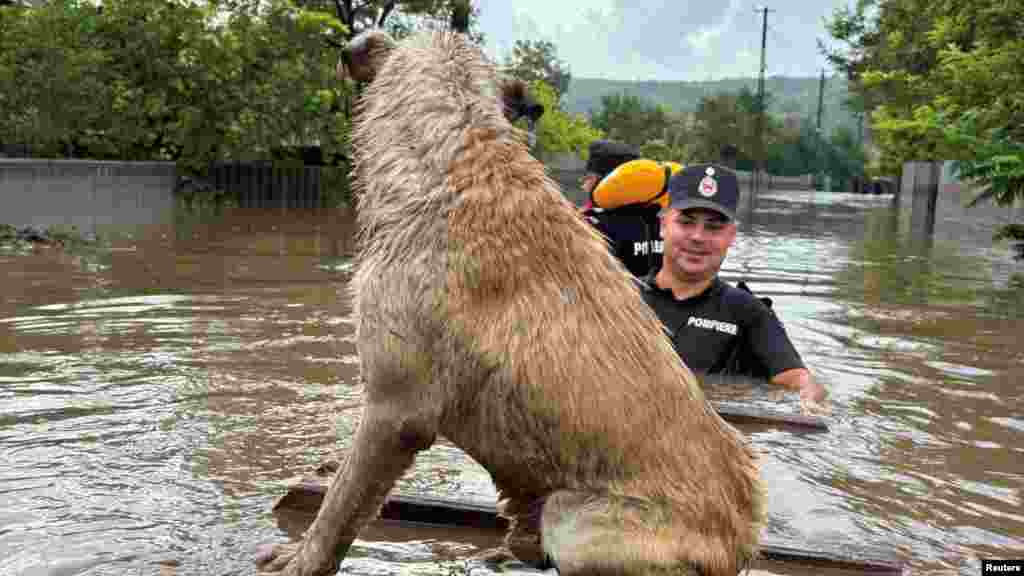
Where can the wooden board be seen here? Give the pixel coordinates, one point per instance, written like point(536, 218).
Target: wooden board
point(308, 494)
point(744, 415)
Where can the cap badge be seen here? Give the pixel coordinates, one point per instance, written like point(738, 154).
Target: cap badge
point(710, 171)
point(708, 186)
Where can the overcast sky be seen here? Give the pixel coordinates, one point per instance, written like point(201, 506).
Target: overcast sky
point(664, 39)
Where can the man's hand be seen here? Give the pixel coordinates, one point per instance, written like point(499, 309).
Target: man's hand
point(812, 407)
point(813, 395)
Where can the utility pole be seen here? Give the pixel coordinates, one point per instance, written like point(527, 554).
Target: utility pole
point(821, 98)
point(759, 161)
point(821, 102)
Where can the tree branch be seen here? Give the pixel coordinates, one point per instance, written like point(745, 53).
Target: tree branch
point(344, 10)
point(361, 10)
point(385, 12)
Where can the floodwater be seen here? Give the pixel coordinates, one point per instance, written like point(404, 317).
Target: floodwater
point(159, 393)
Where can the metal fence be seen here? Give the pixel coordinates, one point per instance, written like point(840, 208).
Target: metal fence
point(262, 185)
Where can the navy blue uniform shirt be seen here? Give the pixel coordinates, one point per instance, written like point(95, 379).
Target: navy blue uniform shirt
point(723, 330)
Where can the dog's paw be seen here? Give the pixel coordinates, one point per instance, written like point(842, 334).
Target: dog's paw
point(494, 556)
point(811, 407)
point(276, 558)
point(502, 561)
point(328, 468)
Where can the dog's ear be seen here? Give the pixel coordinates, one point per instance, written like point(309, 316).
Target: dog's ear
point(364, 55)
point(518, 103)
point(461, 11)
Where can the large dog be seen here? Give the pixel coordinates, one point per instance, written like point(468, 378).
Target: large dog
point(489, 312)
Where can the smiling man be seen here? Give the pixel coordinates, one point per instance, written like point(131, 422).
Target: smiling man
point(716, 327)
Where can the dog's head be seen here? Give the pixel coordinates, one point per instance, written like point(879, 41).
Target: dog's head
point(518, 103)
point(367, 53)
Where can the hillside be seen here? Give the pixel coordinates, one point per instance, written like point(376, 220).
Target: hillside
point(789, 95)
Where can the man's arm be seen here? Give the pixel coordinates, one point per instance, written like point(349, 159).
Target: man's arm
point(773, 348)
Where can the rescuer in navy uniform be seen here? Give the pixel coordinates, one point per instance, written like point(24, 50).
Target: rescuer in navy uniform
point(716, 327)
point(632, 231)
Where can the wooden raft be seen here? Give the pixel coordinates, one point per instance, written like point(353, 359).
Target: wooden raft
point(307, 495)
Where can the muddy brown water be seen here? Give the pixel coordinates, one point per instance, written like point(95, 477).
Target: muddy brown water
point(157, 394)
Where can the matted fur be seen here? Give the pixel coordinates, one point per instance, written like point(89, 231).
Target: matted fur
point(491, 313)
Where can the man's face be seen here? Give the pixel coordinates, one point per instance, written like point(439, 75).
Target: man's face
point(696, 241)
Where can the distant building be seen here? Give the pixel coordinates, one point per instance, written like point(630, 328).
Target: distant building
point(792, 121)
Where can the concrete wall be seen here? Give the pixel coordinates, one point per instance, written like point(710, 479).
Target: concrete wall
point(933, 202)
point(85, 193)
point(805, 182)
point(955, 220)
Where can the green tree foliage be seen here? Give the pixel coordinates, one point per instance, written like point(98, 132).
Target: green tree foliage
point(398, 17)
point(51, 74)
point(793, 152)
point(921, 67)
point(557, 131)
point(997, 161)
point(730, 119)
point(726, 119)
point(168, 80)
point(722, 120)
point(538, 60)
point(285, 81)
point(845, 159)
point(630, 119)
point(672, 141)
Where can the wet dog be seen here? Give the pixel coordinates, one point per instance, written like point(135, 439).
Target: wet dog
point(490, 313)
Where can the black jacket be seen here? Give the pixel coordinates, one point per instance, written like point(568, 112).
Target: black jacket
point(633, 233)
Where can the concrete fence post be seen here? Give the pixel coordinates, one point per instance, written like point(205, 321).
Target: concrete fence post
point(918, 194)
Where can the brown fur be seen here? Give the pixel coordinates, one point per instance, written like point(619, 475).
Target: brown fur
point(491, 313)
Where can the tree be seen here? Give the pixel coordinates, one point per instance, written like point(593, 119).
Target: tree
point(726, 119)
point(167, 80)
point(629, 118)
point(943, 80)
point(557, 131)
point(794, 152)
point(845, 158)
point(674, 141)
point(908, 59)
point(997, 162)
point(51, 74)
point(286, 88)
point(399, 17)
point(538, 60)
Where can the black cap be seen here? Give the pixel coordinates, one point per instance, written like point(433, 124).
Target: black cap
point(708, 186)
point(607, 155)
